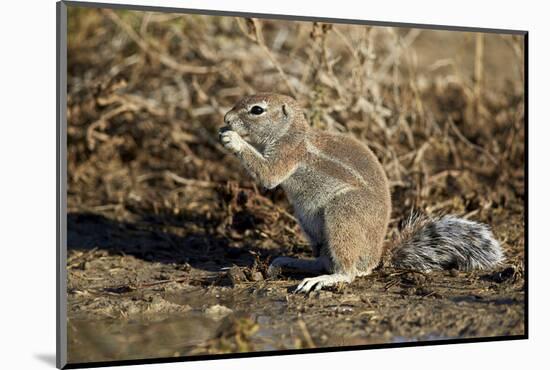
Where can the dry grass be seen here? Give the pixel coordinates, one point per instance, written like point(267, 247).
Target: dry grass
point(443, 111)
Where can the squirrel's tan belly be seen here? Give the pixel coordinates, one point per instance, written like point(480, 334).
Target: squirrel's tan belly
point(309, 192)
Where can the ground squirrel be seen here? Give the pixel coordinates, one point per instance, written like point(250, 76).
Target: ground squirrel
point(341, 198)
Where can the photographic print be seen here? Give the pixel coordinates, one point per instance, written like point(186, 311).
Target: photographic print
point(241, 184)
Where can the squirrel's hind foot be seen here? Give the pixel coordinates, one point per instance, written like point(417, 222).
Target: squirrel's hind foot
point(317, 283)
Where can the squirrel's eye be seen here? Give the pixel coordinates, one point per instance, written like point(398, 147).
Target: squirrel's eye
point(256, 110)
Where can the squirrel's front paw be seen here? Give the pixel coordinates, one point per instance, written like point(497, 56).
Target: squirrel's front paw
point(232, 141)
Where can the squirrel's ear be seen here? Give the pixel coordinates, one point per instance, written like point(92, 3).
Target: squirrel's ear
point(286, 110)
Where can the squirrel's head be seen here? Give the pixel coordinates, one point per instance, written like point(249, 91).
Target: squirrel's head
point(263, 119)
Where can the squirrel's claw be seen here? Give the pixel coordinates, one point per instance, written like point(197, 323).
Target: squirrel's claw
point(231, 141)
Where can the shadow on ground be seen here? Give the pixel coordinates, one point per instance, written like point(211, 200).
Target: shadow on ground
point(149, 242)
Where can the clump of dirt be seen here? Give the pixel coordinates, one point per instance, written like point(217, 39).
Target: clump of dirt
point(169, 240)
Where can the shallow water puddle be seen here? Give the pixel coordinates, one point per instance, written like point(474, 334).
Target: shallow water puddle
point(210, 316)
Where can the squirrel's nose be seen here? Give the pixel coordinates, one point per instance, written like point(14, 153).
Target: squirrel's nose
point(228, 117)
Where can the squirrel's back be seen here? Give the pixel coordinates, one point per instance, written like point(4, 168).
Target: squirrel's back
point(349, 155)
point(333, 164)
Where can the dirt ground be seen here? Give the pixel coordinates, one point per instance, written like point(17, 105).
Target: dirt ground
point(169, 240)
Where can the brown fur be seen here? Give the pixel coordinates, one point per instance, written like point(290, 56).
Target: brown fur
point(337, 186)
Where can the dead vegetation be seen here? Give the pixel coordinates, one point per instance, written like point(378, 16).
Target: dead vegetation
point(156, 205)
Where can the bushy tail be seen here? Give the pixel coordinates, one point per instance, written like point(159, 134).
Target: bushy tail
point(447, 242)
